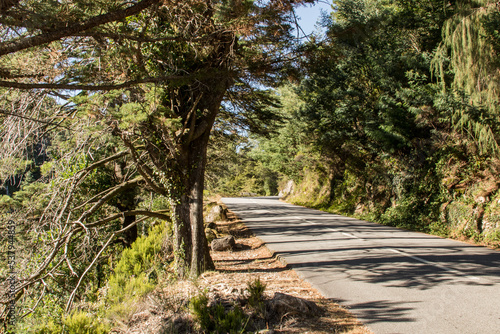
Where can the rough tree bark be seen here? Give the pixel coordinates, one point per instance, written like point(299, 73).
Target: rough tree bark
point(125, 202)
point(190, 239)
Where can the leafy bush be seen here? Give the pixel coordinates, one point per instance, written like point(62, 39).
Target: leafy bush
point(215, 318)
point(77, 323)
point(135, 274)
point(50, 327)
point(82, 323)
point(256, 298)
point(7, 203)
point(493, 238)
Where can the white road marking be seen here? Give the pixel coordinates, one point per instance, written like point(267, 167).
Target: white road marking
point(350, 235)
point(419, 259)
point(416, 258)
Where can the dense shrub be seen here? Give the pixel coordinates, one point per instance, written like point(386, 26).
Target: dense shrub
point(215, 318)
point(137, 270)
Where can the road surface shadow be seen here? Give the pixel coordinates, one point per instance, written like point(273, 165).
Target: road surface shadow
point(405, 261)
point(392, 271)
point(335, 252)
point(380, 311)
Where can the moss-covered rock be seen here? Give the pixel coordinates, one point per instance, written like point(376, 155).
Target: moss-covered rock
point(211, 234)
point(491, 221)
point(461, 216)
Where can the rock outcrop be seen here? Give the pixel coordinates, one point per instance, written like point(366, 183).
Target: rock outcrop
point(223, 244)
point(217, 213)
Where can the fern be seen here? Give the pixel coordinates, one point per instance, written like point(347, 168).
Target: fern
point(471, 57)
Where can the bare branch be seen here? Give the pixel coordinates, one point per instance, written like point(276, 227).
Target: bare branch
point(144, 170)
point(106, 160)
point(43, 266)
point(192, 113)
point(31, 310)
point(132, 37)
point(70, 301)
point(7, 4)
point(155, 214)
point(4, 112)
point(72, 296)
point(110, 86)
point(104, 199)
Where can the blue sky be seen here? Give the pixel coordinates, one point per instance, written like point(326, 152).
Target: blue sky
point(309, 15)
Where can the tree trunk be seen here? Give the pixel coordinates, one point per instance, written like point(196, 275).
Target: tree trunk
point(126, 201)
point(130, 235)
point(191, 246)
point(336, 178)
point(182, 235)
point(200, 259)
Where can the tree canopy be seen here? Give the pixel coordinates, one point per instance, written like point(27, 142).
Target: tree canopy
point(396, 120)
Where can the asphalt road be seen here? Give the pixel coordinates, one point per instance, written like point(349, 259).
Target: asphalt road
point(393, 280)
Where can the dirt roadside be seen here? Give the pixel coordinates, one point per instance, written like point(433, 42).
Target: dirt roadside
point(166, 310)
point(252, 260)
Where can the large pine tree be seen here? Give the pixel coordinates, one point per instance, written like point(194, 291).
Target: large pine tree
point(153, 74)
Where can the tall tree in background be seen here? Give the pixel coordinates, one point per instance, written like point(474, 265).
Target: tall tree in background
point(353, 101)
point(373, 111)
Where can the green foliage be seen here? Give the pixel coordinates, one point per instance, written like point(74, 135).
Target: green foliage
point(137, 270)
point(11, 166)
point(156, 103)
point(371, 133)
point(78, 322)
point(404, 214)
point(83, 323)
point(256, 298)
point(215, 318)
point(49, 328)
point(32, 197)
point(199, 306)
point(493, 238)
point(7, 203)
point(460, 214)
point(242, 173)
point(468, 51)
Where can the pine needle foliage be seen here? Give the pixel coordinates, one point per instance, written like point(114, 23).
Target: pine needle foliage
point(215, 318)
point(470, 55)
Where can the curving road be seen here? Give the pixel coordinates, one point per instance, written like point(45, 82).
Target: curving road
point(393, 280)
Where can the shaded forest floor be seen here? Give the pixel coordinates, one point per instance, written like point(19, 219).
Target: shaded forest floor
point(167, 310)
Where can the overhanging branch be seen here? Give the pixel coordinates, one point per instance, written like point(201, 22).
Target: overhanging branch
point(4, 112)
point(142, 39)
point(106, 160)
point(118, 189)
point(73, 28)
point(110, 86)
